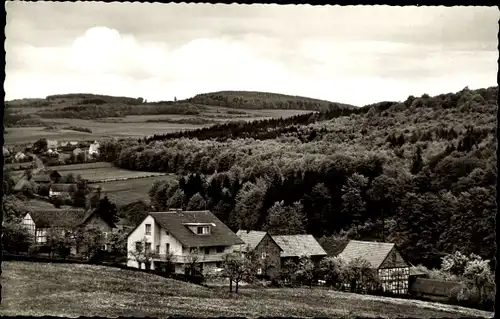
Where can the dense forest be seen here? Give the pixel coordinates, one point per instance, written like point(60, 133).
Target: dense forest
point(420, 173)
point(262, 100)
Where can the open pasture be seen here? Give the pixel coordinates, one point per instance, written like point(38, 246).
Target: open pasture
point(128, 191)
point(135, 125)
point(37, 289)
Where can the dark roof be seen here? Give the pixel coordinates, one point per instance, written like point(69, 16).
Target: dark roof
point(57, 217)
point(299, 245)
point(68, 188)
point(45, 218)
point(174, 221)
point(374, 252)
point(252, 238)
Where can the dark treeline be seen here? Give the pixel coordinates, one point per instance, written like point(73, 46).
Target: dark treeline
point(258, 129)
point(93, 111)
point(421, 173)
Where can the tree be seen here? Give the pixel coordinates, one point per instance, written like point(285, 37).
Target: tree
point(332, 270)
point(79, 196)
point(240, 266)
point(192, 265)
point(16, 238)
point(249, 203)
point(40, 146)
point(286, 220)
point(134, 212)
point(358, 273)
point(197, 202)
point(89, 241)
point(107, 210)
point(60, 241)
point(418, 162)
point(352, 200)
point(143, 254)
point(117, 241)
point(305, 269)
point(288, 270)
point(479, 276)
point(8, 182)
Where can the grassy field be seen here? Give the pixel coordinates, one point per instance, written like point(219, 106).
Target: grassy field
point(133, 125)
point(37, 289)
point(101, 172)
point(128, 191)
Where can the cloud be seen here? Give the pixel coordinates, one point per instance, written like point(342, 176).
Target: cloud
point(160, 51)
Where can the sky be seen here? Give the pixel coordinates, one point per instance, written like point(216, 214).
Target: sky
point(352, 54)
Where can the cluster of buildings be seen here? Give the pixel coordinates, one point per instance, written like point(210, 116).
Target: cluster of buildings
point(176, 235)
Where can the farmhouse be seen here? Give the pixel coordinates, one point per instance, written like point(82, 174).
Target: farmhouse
point(62, 190)
point(180, 236)
point(52, 144)
point(266, 248)
point(20, 157)
point(94, 149)
point(295, 246)
point(390, 267)
point(40, 221)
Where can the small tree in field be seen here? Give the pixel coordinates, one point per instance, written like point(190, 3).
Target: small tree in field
point(240, 266)
point(288, 270)
point(89, 241)
point(192, 266)
point(358, 274)
point(16, 238)
point(332, 268)
point(305, 270)
point(143, 254)
point(59, 241)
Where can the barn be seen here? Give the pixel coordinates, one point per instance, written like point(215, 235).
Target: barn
point(391, 268)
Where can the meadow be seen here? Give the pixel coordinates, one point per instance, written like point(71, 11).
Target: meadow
point(102, 172)
point(128, 191)
point(136, 126)
point(36, 289)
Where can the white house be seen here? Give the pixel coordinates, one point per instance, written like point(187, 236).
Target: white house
point(182, 234)
point(52, 144)
point(94, 149)
point(20, 156)
point(61, 190)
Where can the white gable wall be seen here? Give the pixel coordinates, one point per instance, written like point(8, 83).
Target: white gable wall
point(158, 237)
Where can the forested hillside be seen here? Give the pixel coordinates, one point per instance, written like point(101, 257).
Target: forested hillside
point(262, 100)
point(421, 173)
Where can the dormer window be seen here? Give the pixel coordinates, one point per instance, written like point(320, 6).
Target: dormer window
point(203, 230)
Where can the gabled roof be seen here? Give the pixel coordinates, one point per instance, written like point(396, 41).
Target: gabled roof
point(373, 252)
point(173, 222)
point(252, 238)
point(21, 183)
point(68, 188)
point(45, 218)
point(299, 245)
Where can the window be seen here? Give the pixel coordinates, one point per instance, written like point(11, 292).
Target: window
point(167, 248)
point(157, 249)
point(192, 250)
point(263, 255)
point(148, 229)
point(148, 247)
point(259, 271)
point(138, 246)
point(220, 249)
point(166, 233)
point(203, 230)
point(207, 251)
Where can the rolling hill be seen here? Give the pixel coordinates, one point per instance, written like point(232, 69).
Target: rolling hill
point(263, 100)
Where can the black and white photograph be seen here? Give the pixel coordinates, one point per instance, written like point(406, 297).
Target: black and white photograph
point(249, 160)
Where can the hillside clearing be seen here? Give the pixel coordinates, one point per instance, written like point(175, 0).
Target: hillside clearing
point(128, 191)
point(74, 290)
point(102, 172)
